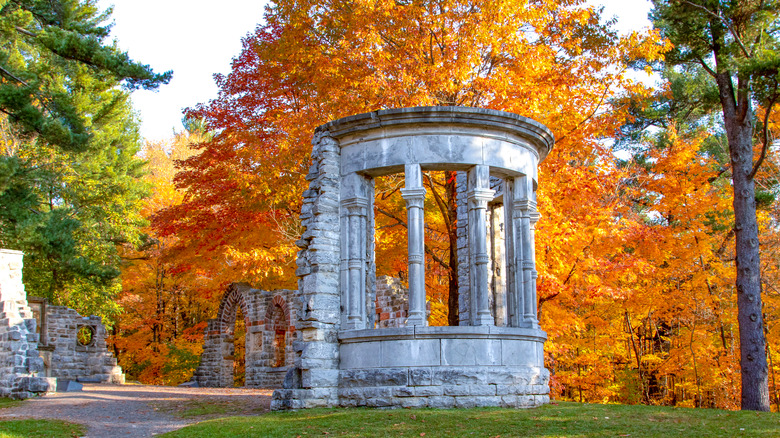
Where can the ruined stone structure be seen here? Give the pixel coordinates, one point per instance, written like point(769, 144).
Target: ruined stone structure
point(392, 306)
point(40, 344)
point(268, 317)
point(73, 347)
point(343, 357)
point(20, 364)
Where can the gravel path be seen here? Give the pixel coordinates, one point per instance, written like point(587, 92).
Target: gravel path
point(137, 411)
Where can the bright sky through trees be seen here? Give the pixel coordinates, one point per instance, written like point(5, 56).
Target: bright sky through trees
point(196, 41)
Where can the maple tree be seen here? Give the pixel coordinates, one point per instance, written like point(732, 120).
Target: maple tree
point(316, 61)
point(158, 335)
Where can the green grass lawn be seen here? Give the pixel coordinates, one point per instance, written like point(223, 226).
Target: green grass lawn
point(40, 429)
point(8, 403)
point(554, 420)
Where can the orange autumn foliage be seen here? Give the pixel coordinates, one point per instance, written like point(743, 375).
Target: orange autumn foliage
point(635, 261)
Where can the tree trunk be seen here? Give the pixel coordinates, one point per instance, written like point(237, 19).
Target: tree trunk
point(738, 121)
point(453, 317)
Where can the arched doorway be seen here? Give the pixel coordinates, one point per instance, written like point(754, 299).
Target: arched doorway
point(232, 317)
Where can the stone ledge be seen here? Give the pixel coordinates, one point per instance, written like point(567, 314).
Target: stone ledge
point(428, 332)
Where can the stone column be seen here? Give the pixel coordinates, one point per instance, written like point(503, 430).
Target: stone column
point(526, 215)
point(514, 274)
point(479, 194)
point(414, 195)
point(356, 261)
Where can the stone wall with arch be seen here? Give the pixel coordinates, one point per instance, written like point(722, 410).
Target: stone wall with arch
point(268, 318)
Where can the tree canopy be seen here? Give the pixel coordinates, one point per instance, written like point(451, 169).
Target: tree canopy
point(69, 174)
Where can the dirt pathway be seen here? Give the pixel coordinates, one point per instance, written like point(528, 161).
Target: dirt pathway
point(136, 411)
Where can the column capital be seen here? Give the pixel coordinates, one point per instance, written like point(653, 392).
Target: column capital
point(480, 195)
point(355, 206)
point(414, 197)
point(413, 193)
point(524, 204)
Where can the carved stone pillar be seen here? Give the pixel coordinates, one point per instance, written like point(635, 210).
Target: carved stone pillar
point(479, 194)
point(356, 262)
point(526, 215)
point(514, 274)
point(414, 195)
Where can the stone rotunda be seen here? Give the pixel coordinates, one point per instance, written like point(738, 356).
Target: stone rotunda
point(495, 356)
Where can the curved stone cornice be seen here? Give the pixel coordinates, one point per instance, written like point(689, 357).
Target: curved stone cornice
point(529, 129)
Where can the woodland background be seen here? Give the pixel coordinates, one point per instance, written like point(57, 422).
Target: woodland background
point(635, 248)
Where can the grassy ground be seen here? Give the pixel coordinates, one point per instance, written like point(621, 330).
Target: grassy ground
point(40, 428)
point(554, 420)
point(206, 409)
point(7, 402)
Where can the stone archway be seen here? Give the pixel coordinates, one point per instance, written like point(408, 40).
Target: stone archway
point(268, 342)
point(217, 360)
point(277, 327)
point(233, 301)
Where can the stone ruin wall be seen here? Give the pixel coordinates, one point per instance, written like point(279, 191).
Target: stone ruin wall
point(392, 305)
point(38, 343)
point(67, 358)
point(268, 317)
point(20, 363)
point(267, 314)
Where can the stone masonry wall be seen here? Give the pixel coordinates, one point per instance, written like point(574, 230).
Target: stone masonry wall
point(73, 360)
point(313, 381)
point(268, 317)
point(392, 304)
point(20, 363)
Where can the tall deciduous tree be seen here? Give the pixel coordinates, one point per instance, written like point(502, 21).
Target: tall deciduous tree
point(735, 42)
point(314, 61)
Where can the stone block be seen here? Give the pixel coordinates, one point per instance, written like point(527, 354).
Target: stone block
point(441, 402)
point(403, 391)
point(477, 401)
point(380, 402)
point(360, 355)
point(316, 378)
point(413, 402)
point(374, 377)
point(461, 352)
point(455, 390)
point(65, 385)
point(482, 390)
point(319, 350)
point(427, 391)
point(420, 376)
point(415, 352)
point(458, 376)
point(38, 384)
point(351, 394)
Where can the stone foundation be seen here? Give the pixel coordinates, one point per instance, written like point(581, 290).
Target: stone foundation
point(442, 367)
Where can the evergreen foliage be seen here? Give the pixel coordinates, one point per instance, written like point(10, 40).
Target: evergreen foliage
point(69, 177)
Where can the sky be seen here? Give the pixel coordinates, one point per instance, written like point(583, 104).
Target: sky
point(197, 42)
